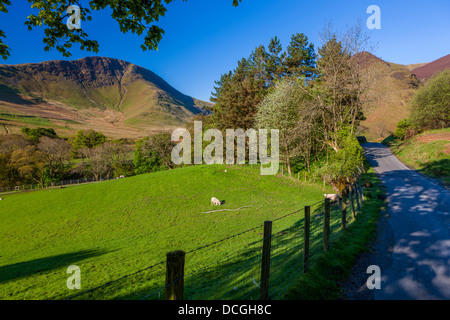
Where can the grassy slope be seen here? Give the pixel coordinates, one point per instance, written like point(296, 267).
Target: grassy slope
point(428, 153)
point(112, 229)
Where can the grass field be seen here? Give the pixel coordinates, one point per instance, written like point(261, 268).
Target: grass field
point(113, 229)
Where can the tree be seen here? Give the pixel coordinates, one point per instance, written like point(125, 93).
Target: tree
point(31, 163)
point(36, 133)
point(153, 153)
point(430, 106)
point(300, 57)
point(239, 92)
point(58, 151)
point(279, 110)
point(87, 139)
point(8, 144)
point(137, 16)
point(237, 97)
point(106, 159)
point(340, 90)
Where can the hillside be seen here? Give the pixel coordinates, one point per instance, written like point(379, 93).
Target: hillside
point(428, 70)
point(110, 95)
point(391, 87)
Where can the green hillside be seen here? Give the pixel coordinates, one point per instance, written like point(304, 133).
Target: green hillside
point(114, 228)
point(429, 153)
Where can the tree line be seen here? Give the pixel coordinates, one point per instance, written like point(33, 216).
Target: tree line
point(314, 98)
point(40, 156)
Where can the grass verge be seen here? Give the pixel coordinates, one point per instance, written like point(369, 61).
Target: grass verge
point(428, 153)
point(332, 267)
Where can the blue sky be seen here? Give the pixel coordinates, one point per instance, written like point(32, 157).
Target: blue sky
point(206, 38)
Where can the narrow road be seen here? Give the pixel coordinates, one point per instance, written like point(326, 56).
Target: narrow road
point(417, 265)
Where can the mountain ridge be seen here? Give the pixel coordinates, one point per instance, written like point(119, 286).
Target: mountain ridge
point(137, 98)
point(429, 69)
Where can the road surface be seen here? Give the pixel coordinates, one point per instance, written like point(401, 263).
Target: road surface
point(417, 265)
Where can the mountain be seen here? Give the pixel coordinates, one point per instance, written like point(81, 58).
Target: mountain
point(428, 70)
point(116, 97)
point(391, 87)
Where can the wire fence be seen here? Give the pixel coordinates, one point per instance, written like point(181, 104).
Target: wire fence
point(269, 258)
point(54, 184)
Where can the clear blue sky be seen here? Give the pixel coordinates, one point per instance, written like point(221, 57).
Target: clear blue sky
point(206, 38)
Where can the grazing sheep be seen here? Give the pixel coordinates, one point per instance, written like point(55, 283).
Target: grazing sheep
point(332, 197)
point(1, 199)
point(215, 201)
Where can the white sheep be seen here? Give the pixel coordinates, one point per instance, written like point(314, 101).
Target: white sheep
point(332, 197)
point(215, 201)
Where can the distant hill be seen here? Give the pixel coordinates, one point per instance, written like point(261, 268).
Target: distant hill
point(428, 70)
point(110, 95)
point(391, 87)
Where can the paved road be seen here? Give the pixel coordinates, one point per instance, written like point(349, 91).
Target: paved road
point(419, 265)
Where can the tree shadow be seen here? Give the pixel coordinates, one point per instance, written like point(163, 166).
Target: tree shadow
point(233, 274)
point(439, 169)
point(419, 216)
point(28, 268)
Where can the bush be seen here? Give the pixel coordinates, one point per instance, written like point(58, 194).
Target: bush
point(37, 133)
point(404, 129)
point(342, 164)
point(430, 106)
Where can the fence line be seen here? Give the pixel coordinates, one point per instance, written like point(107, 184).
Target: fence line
point(54, 184)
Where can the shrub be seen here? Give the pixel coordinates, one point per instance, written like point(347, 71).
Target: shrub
point(430, 106)
point(404, 129)
point(343, 163)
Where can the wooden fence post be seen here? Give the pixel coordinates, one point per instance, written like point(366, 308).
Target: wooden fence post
point(265, 261)
point(306, 233)
point(361, 192)
point(326, 226)
point(358, 206)
point(344, 209)
point(352, 205)
point(174, 275)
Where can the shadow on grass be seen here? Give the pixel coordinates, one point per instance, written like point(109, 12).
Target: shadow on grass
point(29, 268)
point(230, 274)
point(437, 168)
